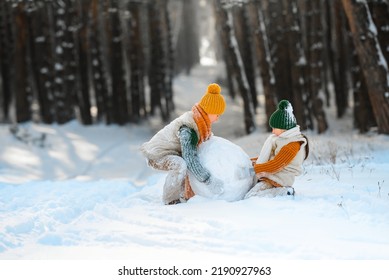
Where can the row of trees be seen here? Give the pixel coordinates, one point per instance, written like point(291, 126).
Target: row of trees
point(305, 49)
point(114, 60)
point(95, 60)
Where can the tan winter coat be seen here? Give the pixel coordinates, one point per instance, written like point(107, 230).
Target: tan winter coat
point(287, 175)
point(166, 141)
point(276, 171)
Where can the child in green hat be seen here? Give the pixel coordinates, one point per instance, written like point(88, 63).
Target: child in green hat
point(281, 156)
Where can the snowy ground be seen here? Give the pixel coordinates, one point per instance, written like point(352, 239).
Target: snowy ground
point(86, 193)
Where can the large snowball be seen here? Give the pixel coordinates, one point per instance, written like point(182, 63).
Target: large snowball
point(227, 162)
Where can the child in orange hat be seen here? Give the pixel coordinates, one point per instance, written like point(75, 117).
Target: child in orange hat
point(174, 148)
point(281, 156)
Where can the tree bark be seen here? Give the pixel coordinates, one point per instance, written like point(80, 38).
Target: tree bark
point(380, 14)
point(187, 47)
point(341, 66)
point(315, 46)
point(374, 67)
point(159, 75)
point(98, 69)
point(135, 54)
point(84, 103)
point(119, 92)
point(363, 113)
point(22, 96)
point(279, 51)
point(6, 42)
point(238, 76)
point(245, 42)
point(297, 57)
point(63, 100)
point(265, 63)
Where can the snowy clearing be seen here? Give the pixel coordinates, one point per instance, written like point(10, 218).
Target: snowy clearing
point(87, 193)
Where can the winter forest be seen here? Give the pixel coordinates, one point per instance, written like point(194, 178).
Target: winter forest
point(114, 61)
point(84, 83)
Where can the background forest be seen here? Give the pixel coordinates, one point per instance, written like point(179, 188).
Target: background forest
point(73, 187)
point(114, 61)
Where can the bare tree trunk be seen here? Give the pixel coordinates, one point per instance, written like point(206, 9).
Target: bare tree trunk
point(6, 42)
point(265, 62)
point(70, 54)
point(363, 113)
point(135, 54)
point(154, 50)
point(298, 64)
point(229, 71)
point(161, 96)
point(279, 50)
point(371, 60)
point(64, 106)
point(244, 39)
point(98, 71)
point(340, 66)
point(223, 23)
point(83, 49)
point(119, 92)
point(315, 46)
point(326, 38)
point(2, 96)
point(187, 48)
point(22, 96)
point(169, 72)
point(41, 60)
point(380, 13)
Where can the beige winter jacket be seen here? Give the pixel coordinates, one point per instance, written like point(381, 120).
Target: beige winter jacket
point(285, 174)
point(166, 141)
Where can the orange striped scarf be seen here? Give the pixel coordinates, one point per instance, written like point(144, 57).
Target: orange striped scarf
point(203, 123)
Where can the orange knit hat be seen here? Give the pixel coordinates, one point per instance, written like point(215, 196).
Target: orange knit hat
point(212, 101)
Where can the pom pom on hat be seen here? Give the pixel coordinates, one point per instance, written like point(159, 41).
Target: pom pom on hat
point(283, 105)
point(283, 117)
point(214, 89)
point(212, 101)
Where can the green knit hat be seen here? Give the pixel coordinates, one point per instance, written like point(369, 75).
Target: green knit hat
point(283, 117)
